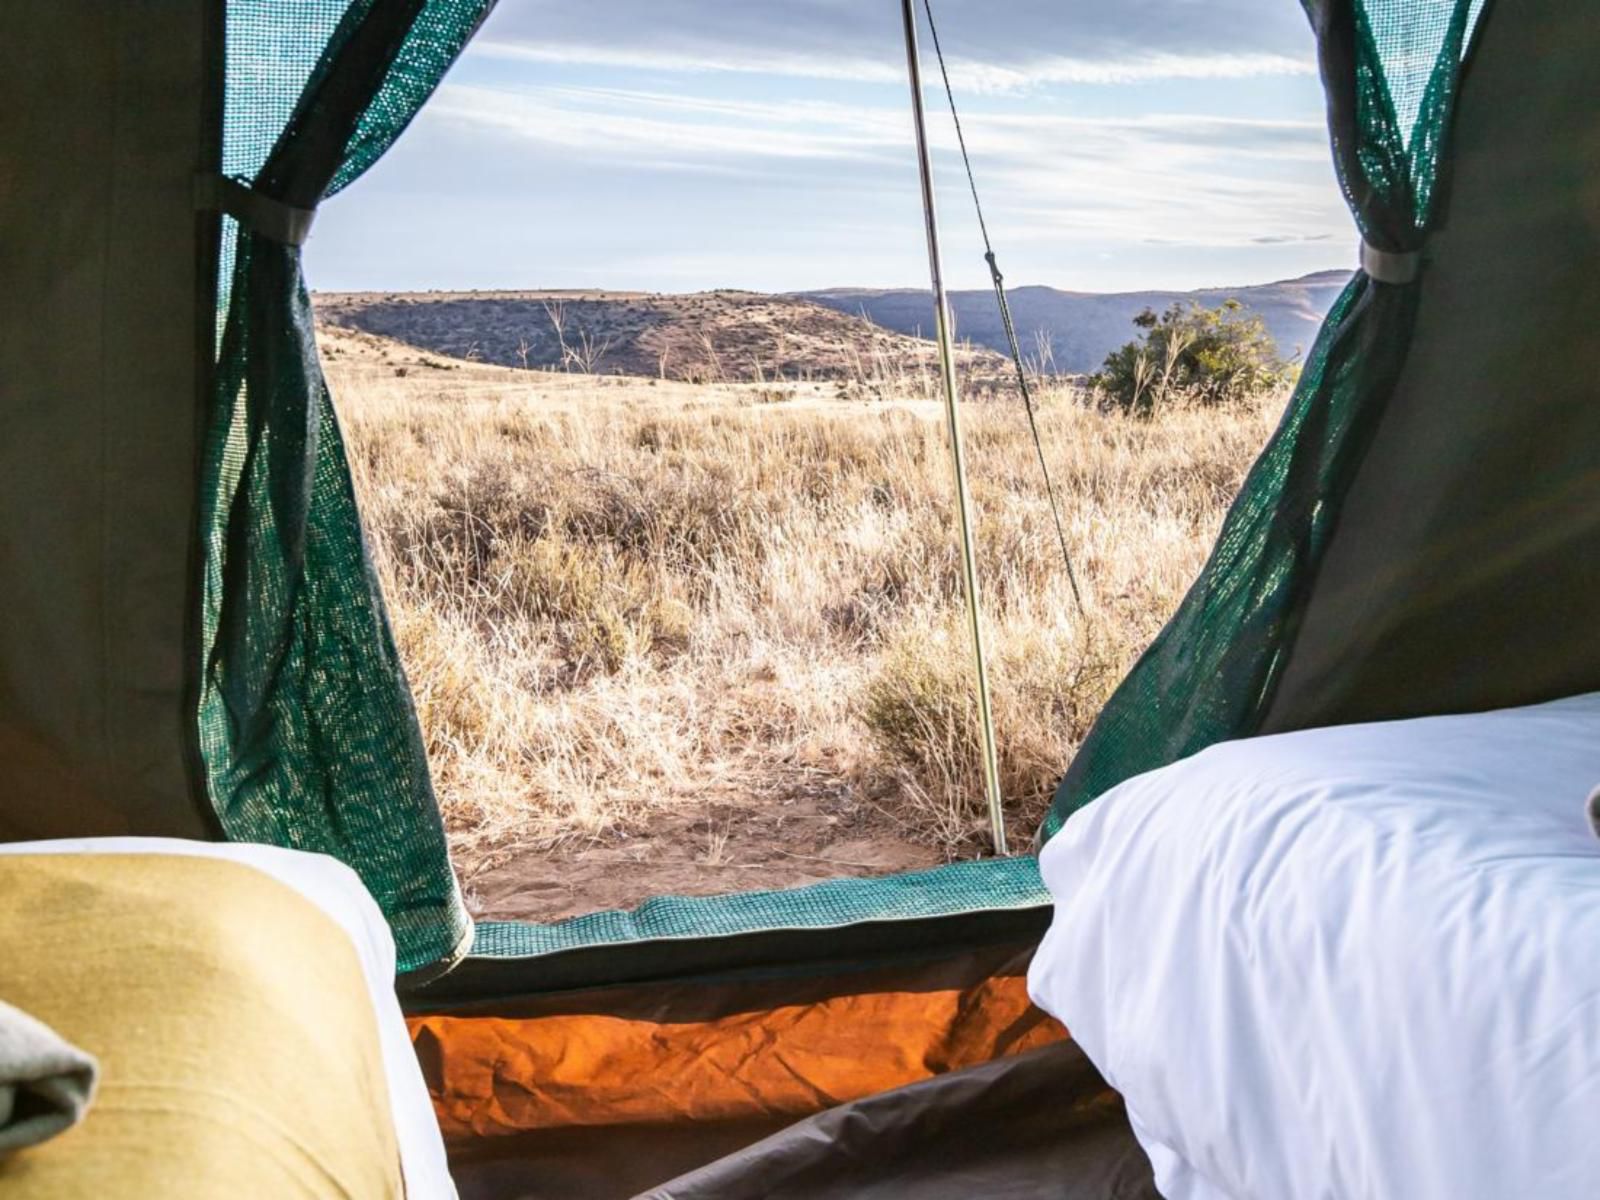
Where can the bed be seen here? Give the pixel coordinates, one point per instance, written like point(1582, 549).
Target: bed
point(241, 1002)
point(1350, 962)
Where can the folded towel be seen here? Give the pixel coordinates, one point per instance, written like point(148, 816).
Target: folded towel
point(45, 1082)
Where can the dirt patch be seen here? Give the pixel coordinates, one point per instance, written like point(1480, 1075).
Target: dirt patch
point(758, 843)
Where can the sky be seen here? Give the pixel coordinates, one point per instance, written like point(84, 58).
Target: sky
point(678, 145)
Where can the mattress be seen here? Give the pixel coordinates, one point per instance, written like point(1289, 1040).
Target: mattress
point(1347, 962)
point(337, 893)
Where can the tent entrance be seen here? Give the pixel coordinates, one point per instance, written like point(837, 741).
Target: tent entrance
point(470, 520)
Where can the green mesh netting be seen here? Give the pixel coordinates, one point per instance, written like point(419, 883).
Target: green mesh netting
point(984, 885)
point(306, 722)
point(1390, 68)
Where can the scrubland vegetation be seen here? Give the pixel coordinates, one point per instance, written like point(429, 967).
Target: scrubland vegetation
point(617, 597)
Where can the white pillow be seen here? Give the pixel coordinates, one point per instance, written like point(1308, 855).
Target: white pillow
point(1352, 962)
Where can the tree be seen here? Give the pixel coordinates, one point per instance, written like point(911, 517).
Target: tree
point(1219, 355)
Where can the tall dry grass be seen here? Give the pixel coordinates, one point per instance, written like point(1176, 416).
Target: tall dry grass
point(615, 597)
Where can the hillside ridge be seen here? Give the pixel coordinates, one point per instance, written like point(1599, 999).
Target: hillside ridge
point(699, 337)
point(1072, 332)
point(847, 333)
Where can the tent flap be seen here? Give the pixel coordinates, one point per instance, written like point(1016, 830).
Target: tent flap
point(306, 720)
point(1464, 570)
point(1390, 69)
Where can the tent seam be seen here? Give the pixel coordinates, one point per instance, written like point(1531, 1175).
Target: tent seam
point(112, 164)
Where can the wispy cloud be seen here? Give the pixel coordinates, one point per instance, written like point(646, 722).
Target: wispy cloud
point(644, 129)
point(1019, 44)
point(1135, 143)
point(968, 74)
point(612, 121)
point(1183, 177)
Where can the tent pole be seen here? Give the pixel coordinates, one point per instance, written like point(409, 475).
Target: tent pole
point(947, 376)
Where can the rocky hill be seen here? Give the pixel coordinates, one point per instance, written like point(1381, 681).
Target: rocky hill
point(700, 337)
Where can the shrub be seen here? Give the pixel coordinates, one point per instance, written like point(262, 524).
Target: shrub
point(1209, 356)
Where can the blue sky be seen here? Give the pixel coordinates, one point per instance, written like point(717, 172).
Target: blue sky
point(674, 145)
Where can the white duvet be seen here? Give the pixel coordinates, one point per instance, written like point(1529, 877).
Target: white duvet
point(1350, 962)
point(339, 892)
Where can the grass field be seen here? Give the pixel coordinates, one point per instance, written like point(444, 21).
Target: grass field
point(708, 636)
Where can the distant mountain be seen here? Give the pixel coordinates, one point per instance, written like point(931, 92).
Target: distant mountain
point(1080, 328)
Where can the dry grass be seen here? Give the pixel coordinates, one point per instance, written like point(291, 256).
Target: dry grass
point(615, 597)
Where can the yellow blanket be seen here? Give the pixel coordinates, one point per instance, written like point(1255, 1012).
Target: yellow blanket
point(238, 1046)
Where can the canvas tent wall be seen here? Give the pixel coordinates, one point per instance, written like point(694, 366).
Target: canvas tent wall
point(107, 112)
point(192, 642)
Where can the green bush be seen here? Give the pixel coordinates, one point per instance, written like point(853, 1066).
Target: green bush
point(1191, 353)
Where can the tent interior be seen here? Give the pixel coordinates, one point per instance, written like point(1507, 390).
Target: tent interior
point(193, 645)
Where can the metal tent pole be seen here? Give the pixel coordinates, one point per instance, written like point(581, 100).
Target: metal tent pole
point(947, 375)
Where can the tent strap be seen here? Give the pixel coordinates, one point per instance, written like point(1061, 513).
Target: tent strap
point(1390, 266)
point(256, 211)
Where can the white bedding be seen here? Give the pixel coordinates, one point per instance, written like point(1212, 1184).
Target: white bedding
point(339, 892)
point(1350, 962)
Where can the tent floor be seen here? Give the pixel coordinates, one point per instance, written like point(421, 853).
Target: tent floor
point(1037, 1126)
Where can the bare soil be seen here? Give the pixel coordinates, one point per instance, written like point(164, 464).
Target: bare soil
point(732, 843)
